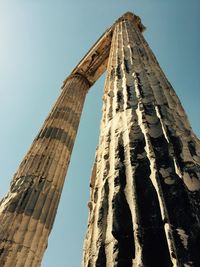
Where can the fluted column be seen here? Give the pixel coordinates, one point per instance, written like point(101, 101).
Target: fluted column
point(28, 211)
point(144, 206)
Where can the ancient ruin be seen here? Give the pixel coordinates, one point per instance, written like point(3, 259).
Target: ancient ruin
point(144, 206)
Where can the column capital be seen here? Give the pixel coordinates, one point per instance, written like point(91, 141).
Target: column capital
point(133, 18)
point(78, 76)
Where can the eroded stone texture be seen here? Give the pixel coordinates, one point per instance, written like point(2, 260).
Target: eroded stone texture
point(28, 211)
point(144, 206)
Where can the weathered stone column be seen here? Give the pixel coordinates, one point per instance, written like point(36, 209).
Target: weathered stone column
point(144, 207)
point(28, 211)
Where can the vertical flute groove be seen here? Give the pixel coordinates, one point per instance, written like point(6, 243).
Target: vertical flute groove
point(154, 158)
point(32, 201)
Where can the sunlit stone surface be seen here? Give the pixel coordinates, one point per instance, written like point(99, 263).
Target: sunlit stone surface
point(144, 206)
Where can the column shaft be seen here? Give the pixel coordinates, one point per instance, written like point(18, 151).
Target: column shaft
point(145, 184)
point(28, 211)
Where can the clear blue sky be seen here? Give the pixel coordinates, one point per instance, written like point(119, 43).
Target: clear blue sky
point(41, 42)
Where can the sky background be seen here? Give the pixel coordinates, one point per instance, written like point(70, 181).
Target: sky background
point(40, 43)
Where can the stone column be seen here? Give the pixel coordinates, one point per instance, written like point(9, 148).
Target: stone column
point(28, 211)
point(144, 206)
